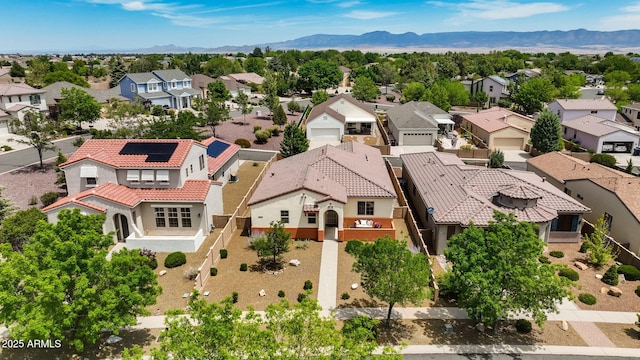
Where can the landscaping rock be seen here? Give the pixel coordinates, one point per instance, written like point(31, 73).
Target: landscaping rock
point(294, 262)
point(580, 265)
point(604, 290)
point(614, 291)
point(598, 276)
point(480, 327)
point(262, 293)
point(354, 286)
point(162, 272)
point(565, 325)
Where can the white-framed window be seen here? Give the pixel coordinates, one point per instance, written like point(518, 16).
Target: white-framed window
point(365, 207)
point(133, 175)
point(34, 99)
point(147, 175)
point(133, 88)
point(312, 218)
point(174, 84)
point(201, 160)
point(187, 84)
point(160, 219)
point(185, 217)
point(151, 87)
point(91, 181)
point(173, 217)
point(284, 216)
point(162, 176)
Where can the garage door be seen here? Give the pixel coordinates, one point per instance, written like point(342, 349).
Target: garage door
point(325, 134)
point(4, 127)
point(507, 143)
point(417, 139)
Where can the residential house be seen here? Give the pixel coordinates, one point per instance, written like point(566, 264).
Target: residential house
point(499, 128)
point(523, 73)
point(632, 114)
point(5, 75)
point(167, 88)
point(247, 78)
point(202, 81)
point(156, 194)
point(601, 135)
point(418, 123)
point(223, 159)
point(54, 94)
point(16, 100)
point(448, 195)
point(608, 192)
point(494, 86)
point(341, 192)
point(570, 109)
point(340, 115)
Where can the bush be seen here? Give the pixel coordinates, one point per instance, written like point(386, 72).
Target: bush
point(151, 256)
point(390, 97)
point(466, 147)
point(346, 296)
point(244, 143)
point(543, 259)
point(153, 263)
point(157, 110)
point(78, 142)
point(611, 275)
point(224, 253)
point(6, 148)
point(257, 128)
point(234, 297)
point(630, 272)
point(557, 254)
point(604, 159)
point(49, 198)
point(213, 271)
point(638, 290)
point(308, 285)
point(587, 298)
point(523, 326)
point(584, 247)
point(34, 200)
point(281, 294)
point(191, 273)
point(301, 297)
point(243, 267)
point(353, 246)
point(275, 130)
point(354, 327)
point(262, 136)
point(569, 274)
point(175, 259)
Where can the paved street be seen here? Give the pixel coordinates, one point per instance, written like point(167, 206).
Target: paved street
point(26, 156)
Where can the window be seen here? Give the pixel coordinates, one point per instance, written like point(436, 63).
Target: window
point(201, 159)
point(147, 175)
point(174, 84)
point(565, 131)
point(133, 88)
point(638, 116)
point(133, 175)
point(311, 218)
point(34, 99)
point(365, 207)
point(20, 98)
point(594, 111)
point(284, 216)
point(191, 168)
point(162, 176)
point(185, 216)
point(164, 85)
point(160, 220)
point(187, 84)
point(490, 88)
point(173, 217)
point(92, 181)
point(151, 87)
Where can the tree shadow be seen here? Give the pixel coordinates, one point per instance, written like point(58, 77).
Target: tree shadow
point(395, 333)
point(35, 168)
point(632, 333)
point(464, 332)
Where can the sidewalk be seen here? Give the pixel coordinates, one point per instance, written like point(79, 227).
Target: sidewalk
point(328, 276)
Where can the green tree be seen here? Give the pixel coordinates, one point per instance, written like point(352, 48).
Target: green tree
point(533, 94)
point(217, 90)
point(456, 93)
point(599, 250)
point(63, 287)
point(496, 159)
point(37, 130)
point(270, 91)
point(116, 71)
point(175, 127)
point(245, 107)
point(414, 91)
point(319, 97)
point(67, 76)
point(78, 106)
point(279, 116)
point(38, 68)
point(19, 227)
point(319, 74)
point(438, 96)
point(387, 74)
point(16, 70)
point(273, 244)
point(255, 65)
point(480, 99)
point(546, 133)
point(218, 66)
point(215, 112)
point(364, 89)
point(293, 141)
point(6, 208)
point(293, 106)
point(392, 273)
point(496, 272)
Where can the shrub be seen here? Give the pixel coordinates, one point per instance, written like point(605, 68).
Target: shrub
point(157, 110)
point(281, 293)
point(630, 272)
point(175, 259)
point(153, 264)
point(243, 267)
point(33, 200)
point(353, 246)
point(604, 159)
point(255, 164)
point(151, 256)
point(275, 130)
point(353, 328)
point(213, 271)
point(49, 198)
point(301, 297)
point(308, 285)
point(234, 297)
point(638, 290)
point(611, 275)
point(569, 274)
point(557, 254)
point(244, 143)
point(523, 326)
point(390, 97)
point(262, 136)
point(346, 296)
point(584, 247)
point(257, 128)
point(466, 147)
point(224, 253)
point(191, 273)
point(6, 148)
point(78, 142)
point(587, 298)
point(543, 259)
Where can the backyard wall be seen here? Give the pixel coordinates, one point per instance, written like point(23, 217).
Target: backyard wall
point(624, 255)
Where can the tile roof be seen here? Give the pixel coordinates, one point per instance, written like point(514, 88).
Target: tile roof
point(494, 119)
point(247, 78)
point(597, 126)
point(18, 89)
point(348, 170)
point(563, 167)
point(415, 115)
point(327, 107)
point(139, 78)
point(107, 151)
point(460, 193)
point(170, 74)
point(191, 191)
point(586, 104)
point(626, 189)
point(215, 163)
point(200, 81)
point(54, 92)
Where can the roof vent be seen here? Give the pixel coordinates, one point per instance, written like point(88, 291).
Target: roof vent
point(544, 179)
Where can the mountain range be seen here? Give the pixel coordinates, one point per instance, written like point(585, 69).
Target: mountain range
point(580, 40)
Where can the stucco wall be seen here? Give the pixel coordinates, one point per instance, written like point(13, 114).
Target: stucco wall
point(76, 184)
point(262, 214)
point(324, 121)
point(508, 132)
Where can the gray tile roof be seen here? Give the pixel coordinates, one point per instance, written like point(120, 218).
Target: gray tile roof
point(54, 92)
point(18, 89)
point(171, 74)
point(597, 126)
point(179, 92)
point(140, 78)
point(460, 193)
point(415, 115)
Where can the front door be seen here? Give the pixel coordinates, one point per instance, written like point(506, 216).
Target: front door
point(331, 219)
point(121, 226)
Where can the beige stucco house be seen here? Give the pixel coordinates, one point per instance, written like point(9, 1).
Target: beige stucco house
point(340, 115)
point(343, 193)
point(418, 123)
point(499, 128)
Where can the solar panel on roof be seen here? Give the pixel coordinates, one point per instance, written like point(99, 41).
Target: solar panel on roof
point(216, 148)
point(156, 152)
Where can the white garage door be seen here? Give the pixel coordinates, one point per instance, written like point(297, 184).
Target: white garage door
point(4, 127)
point(507, 143)
point(325, 134)
point(417, 139)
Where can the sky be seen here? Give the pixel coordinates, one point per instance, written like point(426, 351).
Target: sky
point(67, 25)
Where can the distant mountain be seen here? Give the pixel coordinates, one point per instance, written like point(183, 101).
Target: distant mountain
point(581, 39)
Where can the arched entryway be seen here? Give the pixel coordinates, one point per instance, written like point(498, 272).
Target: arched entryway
point(121, 227)
point(331, 224)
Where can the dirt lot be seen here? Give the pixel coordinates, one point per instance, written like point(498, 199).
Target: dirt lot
point(22, 184)
point(242, 128)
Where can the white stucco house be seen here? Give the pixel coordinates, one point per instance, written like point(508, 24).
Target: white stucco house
point(601, 135)
point(16, 100)
point(570, 109)
point(340, 115)
point(156, 194)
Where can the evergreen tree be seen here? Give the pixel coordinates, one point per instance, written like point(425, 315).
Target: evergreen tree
point(496, 159)
point(117, 71)
point(279, 116)
point(546, 133)
point(16, 70)
point(294, 141)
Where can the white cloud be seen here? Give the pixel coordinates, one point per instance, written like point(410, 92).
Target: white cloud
point(631, 8)
point(348, 4)
point(628, 15)
point(500, 9)
point(368, 15)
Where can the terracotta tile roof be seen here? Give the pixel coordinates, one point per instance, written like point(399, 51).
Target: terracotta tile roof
point(327, 107)
point(347, 170)
point(586, 104)
point(18, 89)
point(563, 167)
point(191, 191)
point(107, 151)
point(494, 119)
point(460, 193)
point(215, 163)
point(597, 126)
